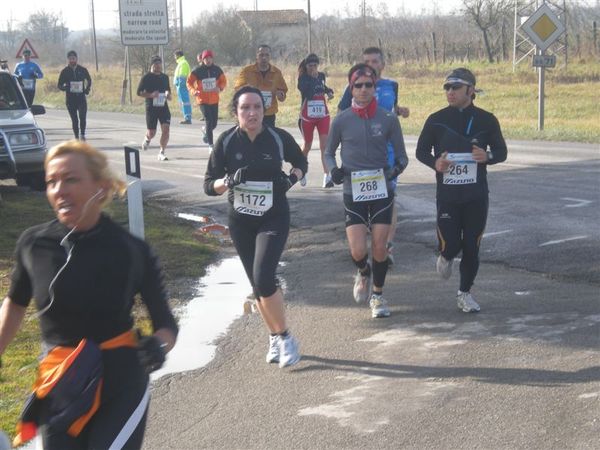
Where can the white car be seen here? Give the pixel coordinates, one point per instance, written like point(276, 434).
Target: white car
point(22, 141)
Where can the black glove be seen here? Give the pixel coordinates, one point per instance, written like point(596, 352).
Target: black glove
point(237, 178)
point(396, 170)
point(291, 180)
point(337, 175)
point(151, 353)
point(86, 92)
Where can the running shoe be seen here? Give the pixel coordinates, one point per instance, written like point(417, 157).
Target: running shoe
point(186, 122)
point(327, 182)
point(162, 156)
point(289, 353)
point(362, 287)
point(466, 303)
point(273, 353)
point(303, 181)
point(390, 256)
point(444, 267)
point(378, 306)
point(145, 144)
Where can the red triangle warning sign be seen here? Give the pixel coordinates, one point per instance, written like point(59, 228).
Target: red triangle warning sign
point(26, 45)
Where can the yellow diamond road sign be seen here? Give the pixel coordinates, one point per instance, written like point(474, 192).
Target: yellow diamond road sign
point(543, 27)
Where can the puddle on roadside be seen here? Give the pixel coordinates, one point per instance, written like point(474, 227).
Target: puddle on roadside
point(220, 301)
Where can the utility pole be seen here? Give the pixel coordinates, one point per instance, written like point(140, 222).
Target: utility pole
point(181, 24)
point(309, 28)
point(94, 35)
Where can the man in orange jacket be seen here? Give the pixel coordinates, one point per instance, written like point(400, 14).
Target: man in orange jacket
point(205, 82)
point(268, 79)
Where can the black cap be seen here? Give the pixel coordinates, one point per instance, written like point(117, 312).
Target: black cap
point(312, 58)
point(27, 52)
point(155, 59)
point(460, 75)
point(72, 53)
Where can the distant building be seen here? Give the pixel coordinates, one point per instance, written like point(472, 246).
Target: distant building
point(283, 29)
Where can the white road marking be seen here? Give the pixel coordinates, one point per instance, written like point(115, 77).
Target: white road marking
point(496, 233)
point(590, 395)
point(560, 241)
point(579, 202)
point(522, 292)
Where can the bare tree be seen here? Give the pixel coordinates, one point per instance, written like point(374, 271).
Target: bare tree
point(486, 14)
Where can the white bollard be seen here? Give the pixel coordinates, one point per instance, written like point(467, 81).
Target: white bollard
point(135, 204)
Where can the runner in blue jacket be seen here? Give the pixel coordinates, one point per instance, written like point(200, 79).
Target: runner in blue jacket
point(28, 72)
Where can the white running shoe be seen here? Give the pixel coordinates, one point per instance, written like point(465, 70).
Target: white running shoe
point(289, 353)
point(466, 303)
point(145, 144)
point(362, 287)
point(444, 267)
point(378, 306)
point(162, 156)
point(273, 353)
point(327, 182)
point(303, 181)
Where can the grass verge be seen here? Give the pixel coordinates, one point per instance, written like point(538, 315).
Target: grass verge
point(183, 259)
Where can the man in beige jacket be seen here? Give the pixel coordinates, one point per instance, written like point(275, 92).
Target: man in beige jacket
point(266, 77)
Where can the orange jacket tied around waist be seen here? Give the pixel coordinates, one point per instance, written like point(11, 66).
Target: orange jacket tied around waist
point(70, 378)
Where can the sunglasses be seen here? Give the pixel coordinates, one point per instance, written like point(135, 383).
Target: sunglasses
point(454, 87)
point(368, 85)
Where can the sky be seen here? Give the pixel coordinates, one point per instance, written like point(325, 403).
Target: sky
point(76, 13)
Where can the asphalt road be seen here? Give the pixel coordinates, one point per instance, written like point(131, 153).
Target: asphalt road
point(523, 373)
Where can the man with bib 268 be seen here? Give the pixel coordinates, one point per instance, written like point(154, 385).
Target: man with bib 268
point(465, 140)
point(364, 131)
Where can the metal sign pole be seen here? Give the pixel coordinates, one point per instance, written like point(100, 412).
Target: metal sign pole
point(542, 73)
point(135, 205)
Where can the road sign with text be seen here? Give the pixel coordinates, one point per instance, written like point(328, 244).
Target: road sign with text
point(144, 22)
point(544, 60)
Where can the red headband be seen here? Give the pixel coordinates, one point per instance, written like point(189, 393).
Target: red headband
point(362, 73)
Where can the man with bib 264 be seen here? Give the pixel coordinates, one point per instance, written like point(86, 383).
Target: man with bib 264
point(465, 140)
point(364, 131)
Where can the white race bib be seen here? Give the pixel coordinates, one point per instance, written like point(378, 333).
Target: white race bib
point(268, 97)
point(463, 169)
point(28, 85)
point(76, 87)
point(160, 100)
point(209, 84)
point(368, 185)
point(254, 198)
point(315, 108)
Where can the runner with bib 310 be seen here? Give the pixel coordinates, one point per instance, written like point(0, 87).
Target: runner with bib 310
point(364, 131)
point(465, 140)
point(247, 162)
